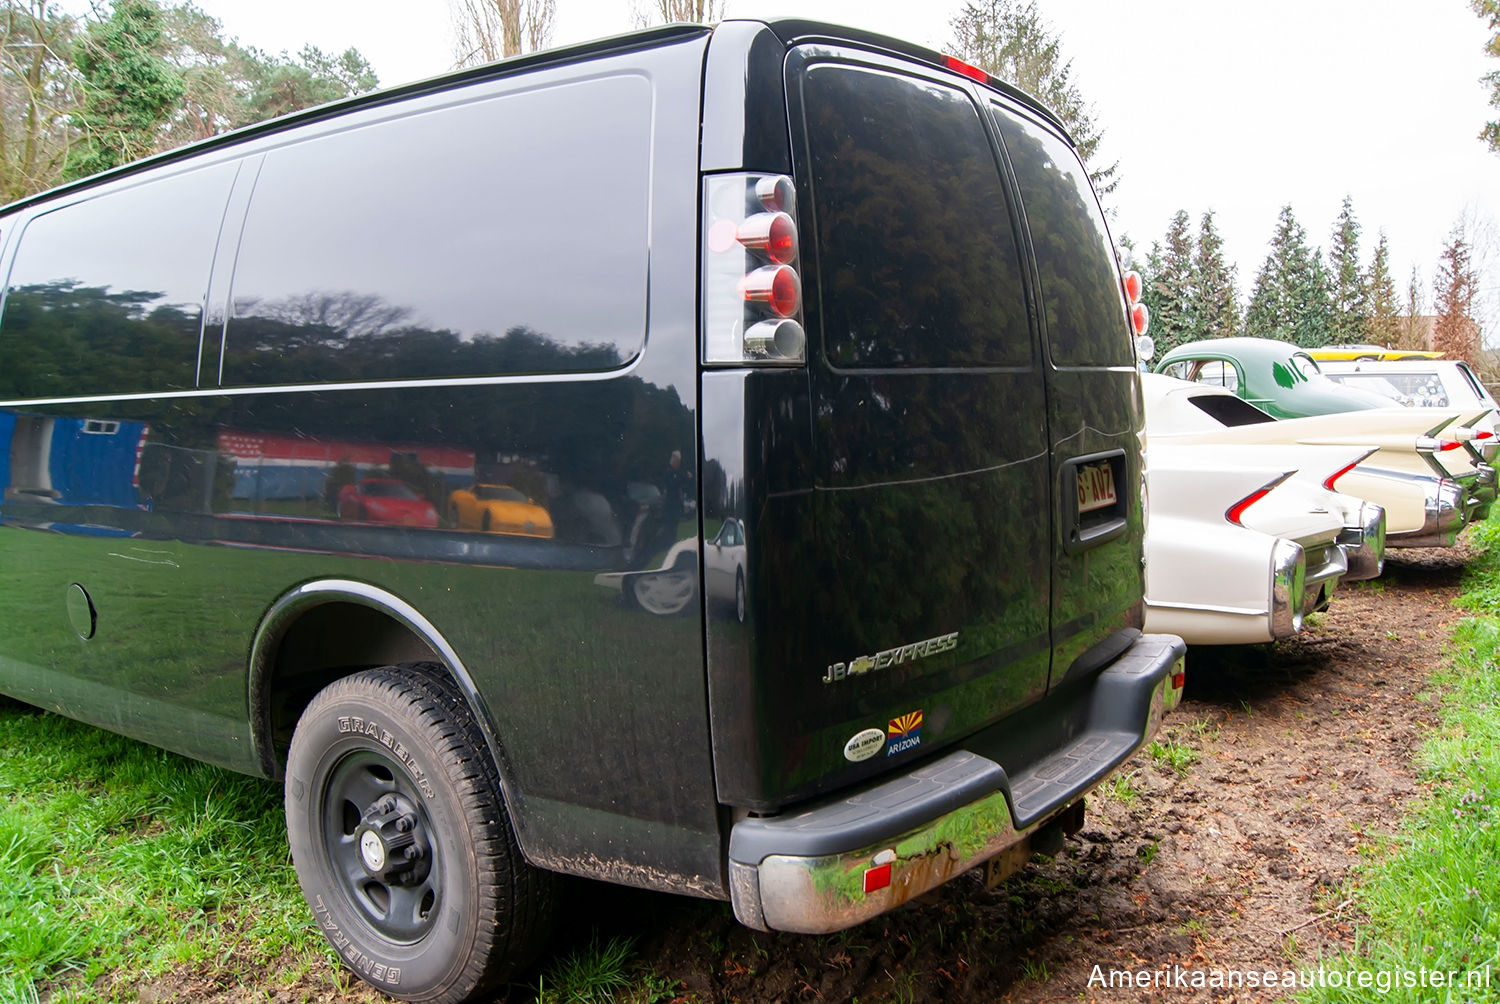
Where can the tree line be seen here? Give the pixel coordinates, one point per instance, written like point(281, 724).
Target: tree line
point(1303, 296)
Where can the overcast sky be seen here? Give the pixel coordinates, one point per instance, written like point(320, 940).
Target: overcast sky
point(1235, 107)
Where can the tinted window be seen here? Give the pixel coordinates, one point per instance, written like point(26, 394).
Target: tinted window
point(1081, 294)
point(106, 295)
point(508, 235)
point(917, 259)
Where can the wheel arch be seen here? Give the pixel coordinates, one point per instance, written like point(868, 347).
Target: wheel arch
point(278, 656)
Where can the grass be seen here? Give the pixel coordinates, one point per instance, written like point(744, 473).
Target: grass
point(1176, 755)
point(120, 862)
point(1431, 894)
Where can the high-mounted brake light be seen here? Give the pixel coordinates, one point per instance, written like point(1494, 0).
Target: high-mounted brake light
point(752, 285)
point(1329, 481)
point(967, 69)
point(1140, 319)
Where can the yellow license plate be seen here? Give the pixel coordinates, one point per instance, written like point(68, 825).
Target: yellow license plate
point(1096, 487)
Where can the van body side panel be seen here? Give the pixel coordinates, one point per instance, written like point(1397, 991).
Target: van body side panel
point(494, 422)
point(903, 601)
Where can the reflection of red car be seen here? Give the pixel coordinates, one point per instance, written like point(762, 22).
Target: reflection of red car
point(385, 500)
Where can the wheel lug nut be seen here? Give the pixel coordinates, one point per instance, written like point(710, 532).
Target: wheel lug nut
point(413, 852)
point(403, 824)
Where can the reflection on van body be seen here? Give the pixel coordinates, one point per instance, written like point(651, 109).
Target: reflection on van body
point(381, 395)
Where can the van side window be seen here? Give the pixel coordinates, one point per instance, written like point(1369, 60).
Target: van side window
point(106, 295)
point(501, 236)
point(918, 263)
point(1085, 308)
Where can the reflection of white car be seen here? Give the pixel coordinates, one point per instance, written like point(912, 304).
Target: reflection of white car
point(1429, 487)
point(1240, 545)
point(1420, 383)
point(672, 588)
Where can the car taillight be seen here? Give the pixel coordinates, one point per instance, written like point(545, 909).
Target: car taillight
point(1140, 317)
point(1236, 512)
point(752, 285)
point(1444, 445)
point(967, 69)
point(1333, 478)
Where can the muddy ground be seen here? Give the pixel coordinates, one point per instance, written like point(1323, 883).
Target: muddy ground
point(1239, 860)
point(1231, 848)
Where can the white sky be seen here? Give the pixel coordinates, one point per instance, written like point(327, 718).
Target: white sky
point(1240, 108)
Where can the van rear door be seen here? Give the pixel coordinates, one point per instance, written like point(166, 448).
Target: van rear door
point(908, 603)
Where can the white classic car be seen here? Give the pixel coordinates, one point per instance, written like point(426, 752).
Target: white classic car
point(1243, 541)
point(1426, 471)
point(1419, 383)
point(670, 589)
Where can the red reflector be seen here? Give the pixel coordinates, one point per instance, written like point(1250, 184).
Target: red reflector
point(1140, 318)
point(777, 286)
point(967, 69)
point(1238, 509)
point(1445, 445)
point(1329, 481)
point(1133, 287)
point(877, 878)
point(1179, 680)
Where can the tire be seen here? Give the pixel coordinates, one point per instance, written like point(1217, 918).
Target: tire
point(484, 524)
point(388, 767)
point(664, 593)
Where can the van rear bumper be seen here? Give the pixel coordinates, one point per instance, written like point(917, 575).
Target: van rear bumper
point(845, 860)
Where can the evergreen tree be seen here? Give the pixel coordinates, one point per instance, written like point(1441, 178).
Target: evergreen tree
point(129, 88)
point(1413, 330)
point(1382, 319)
point(1489, 12)
point(1290, 299)
point(1346, 292)
point(1215, 307)
point(1009, 39)
point(1169, 287)
point(1455, 332)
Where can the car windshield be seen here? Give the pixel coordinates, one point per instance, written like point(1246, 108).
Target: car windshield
point(1415, 390)
point(386, 490)
point(499, 493)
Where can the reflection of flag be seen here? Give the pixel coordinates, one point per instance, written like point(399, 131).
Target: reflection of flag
point(905, 725)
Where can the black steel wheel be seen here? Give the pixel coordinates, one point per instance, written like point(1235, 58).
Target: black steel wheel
point(401, 839)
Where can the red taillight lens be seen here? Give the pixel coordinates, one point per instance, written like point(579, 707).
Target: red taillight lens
point(1237, 511)
point(1140, 319)
point(775, 193)
point(772, 234)
point(1332, 478)
point(1134, 287)
point(777, 286)
point(1484, 435)
point(967, 69)
point(1444, 445)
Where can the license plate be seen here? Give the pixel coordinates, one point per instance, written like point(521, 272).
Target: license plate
point(1096, 487)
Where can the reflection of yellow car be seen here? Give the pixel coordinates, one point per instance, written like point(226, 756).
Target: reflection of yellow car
point(1344, 353)
point(498, 509)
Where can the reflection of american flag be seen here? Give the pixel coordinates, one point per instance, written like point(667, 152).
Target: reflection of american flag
point(904, 725)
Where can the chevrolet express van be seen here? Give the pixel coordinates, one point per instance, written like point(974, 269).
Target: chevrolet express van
point(706, 459)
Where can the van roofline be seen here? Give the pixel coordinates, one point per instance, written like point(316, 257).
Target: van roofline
point(789, 30)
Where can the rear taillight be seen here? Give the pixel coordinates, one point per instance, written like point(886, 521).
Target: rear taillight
point(1444, 445)
point(1332, 479)
point(1140, 317)
point(752, 286)
point(1236, 512)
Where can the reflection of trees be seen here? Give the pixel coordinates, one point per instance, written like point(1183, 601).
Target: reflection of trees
point(917, 256)
point(1085, 308)
point(65, 339)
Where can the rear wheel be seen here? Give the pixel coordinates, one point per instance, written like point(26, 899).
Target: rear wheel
point(401, 839)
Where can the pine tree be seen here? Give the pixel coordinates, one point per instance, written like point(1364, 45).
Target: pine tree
point(1215, 307)
point(1382, 319)
point(1290, 300)
point(1413, 335)
point(1009, 39)
point(1455, 332)
point(1169, 290)
point(1346, 287)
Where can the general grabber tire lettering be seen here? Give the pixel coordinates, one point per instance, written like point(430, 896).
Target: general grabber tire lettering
point(401, 839)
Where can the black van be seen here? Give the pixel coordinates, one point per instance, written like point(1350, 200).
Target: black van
point(706, 459)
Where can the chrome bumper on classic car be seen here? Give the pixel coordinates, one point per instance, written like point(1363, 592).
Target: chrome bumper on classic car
point(1364, 544)
point(1445, 513)
point(850, 858)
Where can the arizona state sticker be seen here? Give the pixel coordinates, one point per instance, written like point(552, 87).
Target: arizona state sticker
point(904, 732)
